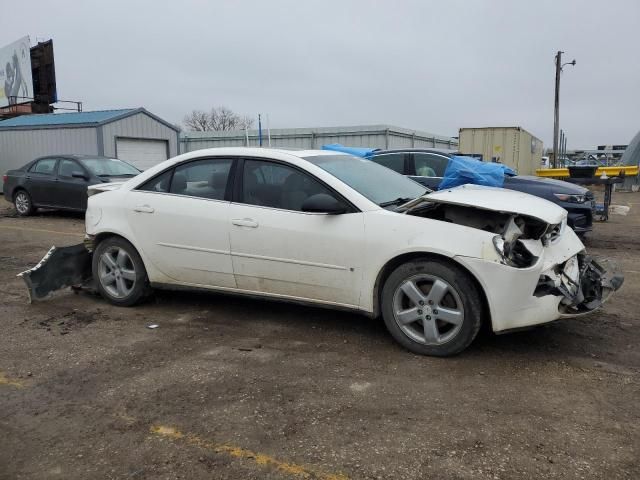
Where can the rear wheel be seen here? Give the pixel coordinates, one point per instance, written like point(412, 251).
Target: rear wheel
point(431, 307)
point(24, 205)
point(119, 272)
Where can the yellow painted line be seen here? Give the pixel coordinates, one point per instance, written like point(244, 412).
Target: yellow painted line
point(40, 230)
point(260, 459)
point(4, 381)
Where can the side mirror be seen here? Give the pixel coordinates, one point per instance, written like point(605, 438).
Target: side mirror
point(79, 174)
point(323, 203)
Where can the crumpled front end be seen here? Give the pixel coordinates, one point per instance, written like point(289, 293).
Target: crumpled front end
point(534, 269)
point(557, 280)
point(583, 282)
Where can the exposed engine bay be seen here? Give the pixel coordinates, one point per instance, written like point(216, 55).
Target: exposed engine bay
point(516, 235)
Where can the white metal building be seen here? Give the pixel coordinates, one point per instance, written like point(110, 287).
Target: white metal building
point(372, 136)
point(134, 135)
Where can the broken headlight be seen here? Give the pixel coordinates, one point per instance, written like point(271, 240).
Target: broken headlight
point(514, 253)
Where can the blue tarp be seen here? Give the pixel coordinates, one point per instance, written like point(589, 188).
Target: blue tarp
point(356, 151)
point(462, 170)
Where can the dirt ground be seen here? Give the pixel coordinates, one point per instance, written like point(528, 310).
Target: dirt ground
point(230, 388)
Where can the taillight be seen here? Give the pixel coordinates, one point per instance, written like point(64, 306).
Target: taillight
point(5, 178)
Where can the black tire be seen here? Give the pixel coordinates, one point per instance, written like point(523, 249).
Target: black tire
point(449, 338)
point(136, 286)
point(23, 204)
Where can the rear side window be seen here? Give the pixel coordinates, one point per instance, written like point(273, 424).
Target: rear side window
point(159, 183)
point(394, 161)
point(202, 178)
point(430, 165)
point(46, 166)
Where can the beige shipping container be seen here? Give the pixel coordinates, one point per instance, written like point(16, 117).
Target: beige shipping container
point(511, 146)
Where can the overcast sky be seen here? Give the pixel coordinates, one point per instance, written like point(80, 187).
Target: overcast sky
point(434, 66)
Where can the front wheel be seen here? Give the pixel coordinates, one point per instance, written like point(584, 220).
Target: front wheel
point(431, 307)
point(24, 205)
point(119, 272)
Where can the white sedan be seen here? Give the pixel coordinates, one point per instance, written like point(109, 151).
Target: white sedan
point(331, 229)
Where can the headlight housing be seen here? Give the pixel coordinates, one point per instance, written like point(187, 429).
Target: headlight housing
point(571, 198)
point(514, 253)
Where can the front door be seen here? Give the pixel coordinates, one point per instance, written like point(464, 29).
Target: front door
point(180, 218)
point(71, 192)
point(280, 250)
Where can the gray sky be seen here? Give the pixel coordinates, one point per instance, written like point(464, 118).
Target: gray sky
point(434, 66)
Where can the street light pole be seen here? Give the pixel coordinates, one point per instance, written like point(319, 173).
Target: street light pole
point(556, 119)
point(556, 111)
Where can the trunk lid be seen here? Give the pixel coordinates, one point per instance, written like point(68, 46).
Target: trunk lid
point(103, 187)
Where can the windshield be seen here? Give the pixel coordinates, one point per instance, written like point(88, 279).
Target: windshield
point(379, 184)
point(109, 167)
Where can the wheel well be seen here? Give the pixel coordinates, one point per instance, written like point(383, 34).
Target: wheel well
point(16, 191)
point(392, 264)
point(103, 236)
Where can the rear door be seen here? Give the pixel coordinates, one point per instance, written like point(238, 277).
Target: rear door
point(71, 192)
point(280, 250)
point(180, 220)
point(40, 182)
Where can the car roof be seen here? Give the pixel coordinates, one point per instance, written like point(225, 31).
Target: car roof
point(76, 156)
point(442, 151)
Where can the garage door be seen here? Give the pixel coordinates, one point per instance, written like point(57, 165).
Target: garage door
point(141, 152)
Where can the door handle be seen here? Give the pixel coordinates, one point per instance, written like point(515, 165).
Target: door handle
point(245, 222)
point(143, 209)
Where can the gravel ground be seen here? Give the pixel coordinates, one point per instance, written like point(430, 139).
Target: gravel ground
point(237, 389)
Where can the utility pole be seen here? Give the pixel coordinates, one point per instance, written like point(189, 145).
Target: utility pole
point(556, 119)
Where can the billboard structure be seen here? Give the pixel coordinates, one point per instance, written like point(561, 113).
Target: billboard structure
point(16, 82)
point(44, 77)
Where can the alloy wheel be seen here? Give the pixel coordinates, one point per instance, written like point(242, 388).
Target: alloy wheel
point(116, 272)
point(22, 203)
point(428, 309)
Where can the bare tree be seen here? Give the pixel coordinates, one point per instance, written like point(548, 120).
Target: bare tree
point(246, 122)
point(219, 119)
point(198, 121)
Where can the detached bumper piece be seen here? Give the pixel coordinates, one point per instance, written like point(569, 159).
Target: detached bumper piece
point(584, 281)
point(61, 267)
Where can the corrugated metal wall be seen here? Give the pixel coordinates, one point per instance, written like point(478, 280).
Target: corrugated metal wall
point(139, 125)
point(19, 146)
point(376, 136)
point(512, 146)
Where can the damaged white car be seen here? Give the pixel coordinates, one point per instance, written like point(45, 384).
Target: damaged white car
point(340, 231)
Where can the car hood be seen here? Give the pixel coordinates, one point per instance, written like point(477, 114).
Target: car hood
point(557, 186)
point(495, 199)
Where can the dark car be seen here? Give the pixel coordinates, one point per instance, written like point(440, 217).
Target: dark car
point(61, 181)
point(427, 167)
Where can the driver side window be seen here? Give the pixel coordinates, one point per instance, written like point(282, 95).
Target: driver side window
point(275, 185)
point(67, 167)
